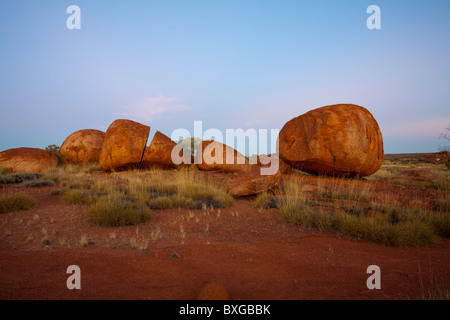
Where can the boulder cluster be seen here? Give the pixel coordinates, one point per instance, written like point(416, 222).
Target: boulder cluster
point(342, 140)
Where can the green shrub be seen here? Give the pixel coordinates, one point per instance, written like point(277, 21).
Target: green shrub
point(53, 148)
point(16, 202)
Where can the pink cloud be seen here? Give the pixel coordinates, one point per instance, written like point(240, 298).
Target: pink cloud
point(152, 106)
point(416, 128)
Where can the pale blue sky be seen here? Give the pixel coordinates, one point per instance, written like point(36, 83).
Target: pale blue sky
point(230, 63)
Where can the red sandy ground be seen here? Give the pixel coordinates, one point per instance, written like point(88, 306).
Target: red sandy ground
point(250, 252)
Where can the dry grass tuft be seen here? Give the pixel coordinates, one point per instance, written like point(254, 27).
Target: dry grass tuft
point(16, 202)
point(391, 225)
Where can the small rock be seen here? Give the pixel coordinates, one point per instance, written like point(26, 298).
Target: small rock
point(252, 182)
point(174, 255)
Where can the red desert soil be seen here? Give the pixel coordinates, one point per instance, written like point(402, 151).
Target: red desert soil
point(249, 252)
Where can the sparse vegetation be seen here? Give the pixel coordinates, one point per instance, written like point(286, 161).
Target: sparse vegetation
point(436, 174)
point(114, 212)
point(139, 192)
point(69, 172)
point(265, 201)
point(76, 196)
point(179, 189)
point(343, 189)
point(84, 241)
point(16, 202)
point(385, 224)
point(11, 178)
point(37, 183)
point(53, 148)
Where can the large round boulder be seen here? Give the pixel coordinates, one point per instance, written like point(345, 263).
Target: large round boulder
point(27, 160)
point(340, 139)
point(83, 146)
point(124, 145)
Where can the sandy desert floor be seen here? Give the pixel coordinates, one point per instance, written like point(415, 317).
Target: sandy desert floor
point(249, 251)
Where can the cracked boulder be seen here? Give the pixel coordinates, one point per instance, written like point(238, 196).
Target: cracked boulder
point(159, 153)
point(342, 140)
point(124, 145)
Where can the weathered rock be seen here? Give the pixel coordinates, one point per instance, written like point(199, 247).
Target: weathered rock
point(340, 139)
point(283, 167)
point(252, 182)
point(27, 160)
point(124, 145)
point(83, 146)
point(232, 161)
point(158, 154)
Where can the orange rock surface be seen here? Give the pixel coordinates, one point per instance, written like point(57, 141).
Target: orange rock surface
point(340, 139)
point(252, 182)
point(158, 154)
point(27, 160)
point(231, 160)
point(283, 167)
point(124, 145)
point(83, 146)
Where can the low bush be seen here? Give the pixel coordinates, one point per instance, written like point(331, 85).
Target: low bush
point(16, 202)
point(116, 212)
point(76, 197)
point(11, 178)
point(37, 183)
point(265, 201)
point(53, 148)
